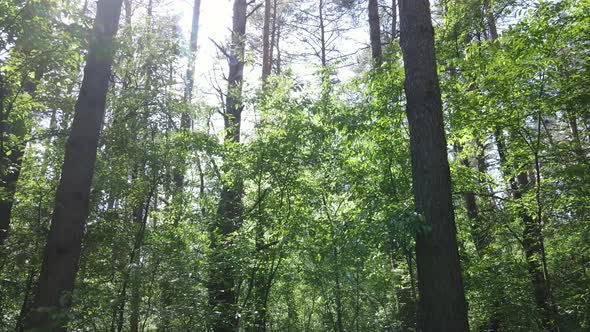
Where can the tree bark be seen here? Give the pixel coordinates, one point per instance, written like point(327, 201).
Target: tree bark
point(490, 20)
point(64, 243)
point(375, 32)
point(274, 39)
point(393, 19)
point(222, 275)
point(442, 304)
point(266, 41)
point(190, 70)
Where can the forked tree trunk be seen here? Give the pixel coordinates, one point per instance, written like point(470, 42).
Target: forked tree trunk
point(442, 300)
point(64, 242)
point(222, 272)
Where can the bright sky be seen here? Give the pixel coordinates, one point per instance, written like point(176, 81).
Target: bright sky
point(215, 24)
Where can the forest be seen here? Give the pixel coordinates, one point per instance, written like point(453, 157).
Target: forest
point(295, 165)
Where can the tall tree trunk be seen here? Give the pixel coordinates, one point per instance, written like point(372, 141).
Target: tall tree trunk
point(64, 241)
point(274, 37)
point(533, 245)
point(10, 167)
point(572, 121)
point(185, 120)
point(190, 70)
point(261, 273)
point(140, 216)
point(406, 295)
point(11, 155)
point(375, 32)
point(338, 290)
point(222, 275)
point(532, 241)
point(490, 20)
point(266, 41)
point(393, 19)
point(442, 300)
point(323, 46)
point(278, 67)
point(479, 233)
point(26, 301)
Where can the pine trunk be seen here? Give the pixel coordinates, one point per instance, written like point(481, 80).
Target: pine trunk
point(442, 304)
point(375, 32)
point(266, 41)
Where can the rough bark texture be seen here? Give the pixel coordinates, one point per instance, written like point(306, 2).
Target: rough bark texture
point(64, 242)
point(266, 42)
point(442, 300)
point(222, 278)
point(375, 32)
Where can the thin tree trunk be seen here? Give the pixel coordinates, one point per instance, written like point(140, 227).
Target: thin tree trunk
point(274, 35)
point(26, 301)
point(323, 57)
point(11, 158)
point(532, 241)
point(261, 274)
point(190, 71)
point(185, 125)
point(442, 304)
point(140, 216)
point(64, 242)
point(338, 292)
point(479, 233)
point(278, 67)
point(135, 277)
point(534, 249)
point(393, 19)
point(375, 32)
point(222, 275)
point(407, 298)
point(578, 147)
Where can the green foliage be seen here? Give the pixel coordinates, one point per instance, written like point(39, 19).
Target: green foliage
point(327, 238)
